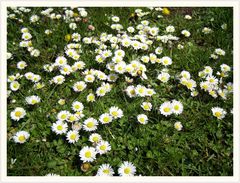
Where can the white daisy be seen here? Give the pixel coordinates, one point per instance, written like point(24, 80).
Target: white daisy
point(101, 91)
point(166, 108)
point(87, 154)
point(18, 113)
point(185, 33)
point(164, 77)
point(79, 86)
point(77, 106)
point(166, 61)
point(63, 115)
point(177, 107)
point(21, 137)
point(90, 97)
point(65, 69)
point(142, 118)
point(90, 124)
point(178, 126)
point(105, 118)
point(14, 86)
point(127, 169)
point(95, 138)
point(32, 100)
point(58, 79)
point(59, 127)
point(130, 90)
point(72, 136)
point(89, 78)
point(147, 106)
point(105, 170)
point(141, 90)
point(115, 112)
point(219, 112)
point(21, 65)
point(103, 147)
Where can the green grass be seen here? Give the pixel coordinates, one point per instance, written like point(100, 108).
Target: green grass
point(204, 147)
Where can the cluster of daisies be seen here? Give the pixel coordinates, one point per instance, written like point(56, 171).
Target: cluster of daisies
point(145, 41)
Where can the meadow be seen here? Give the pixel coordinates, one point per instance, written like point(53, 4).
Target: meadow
point(120, 91)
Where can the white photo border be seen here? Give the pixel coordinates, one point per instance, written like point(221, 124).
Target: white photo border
point(118, 3)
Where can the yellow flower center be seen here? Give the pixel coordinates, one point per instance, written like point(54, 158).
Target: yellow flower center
point(15, 85)
point(79, 87)
point(127, 170)
point(95, 139)
point(59, 127)
point(88, 154)
point(114, 113)
point(106, 119)
point(166, 109)
point(34, 101)
point(73, 136)
point(106, 171)
point(64, 116)
point(146, 107)
point(103, 147)
point(218, 114)
point(165, 61)
point(141, 120)
point(21, 138)
point(90, 124)
point(18, 113)
point(176, 107)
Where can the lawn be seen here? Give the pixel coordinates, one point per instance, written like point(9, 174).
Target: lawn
point(147, 91)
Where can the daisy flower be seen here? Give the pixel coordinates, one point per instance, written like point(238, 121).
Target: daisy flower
point(185, 33)
point(164, 77)
point(90, 124)
point(89, 78)
point(103, 147)
point(166, 61)
point(63, 115)
point(77, 106)
point(142, 118)
point(60, 61)
point(105, 170)
point(178, 126)
point(87, 154)
point(21, 137)
point(58, 79)
point(177, 107)
point(115, 112)
point(141, 90)
point(95, 138)
point(65, 69)
point(130, 90)
point(14, 86)
point(127, 169)
point(79, 86)
point(18, 113)
point(219, 51)
point(21, 65)
point(166, 108)
point(219, 112)
point(72, 136)
point(147, 106)
point(91, 97)
point(170, 28)
point(32, 100)
point(59, 127)
point(101, 91)
point(105, 118)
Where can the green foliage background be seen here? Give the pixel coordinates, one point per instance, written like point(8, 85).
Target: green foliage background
point(204, 147)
